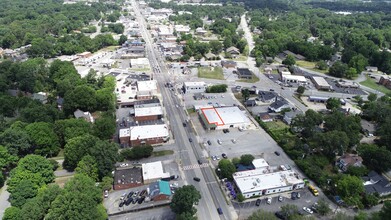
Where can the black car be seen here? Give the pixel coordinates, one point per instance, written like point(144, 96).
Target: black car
point(277, 153)
point(280, 215)
point(130, 194)
point(209, 142)
point(143, 192)
point(224, 156)
point(196, 179)
point(199, 162)
point(294, 195)
point(121, 203)
point(220, 211)
point(184, 124)
point(128, 201)
point(134, 201)
point(141, 200)
point(190, 140)
point(258, 202)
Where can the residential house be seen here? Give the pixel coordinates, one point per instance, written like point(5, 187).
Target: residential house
point(289, 116)
point(233, 50)
point(385, 81)
point(376, 183)
point(86, 115)
point(265, 117)
point(267, 96)
point(159, 190)
point(278, 106)
point(210, 56)
point(371, 69)
point(296, 56)
point(347, 160)
point(41, 96)
point(200, 31)
point(250, 103)
point(228, 64)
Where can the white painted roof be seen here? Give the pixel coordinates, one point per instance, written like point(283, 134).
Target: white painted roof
point(149, 85)
point(153, 170)
point(125, 132)
point(321, 81)
point(155, 110)
point(148, 131)
point(225, 115)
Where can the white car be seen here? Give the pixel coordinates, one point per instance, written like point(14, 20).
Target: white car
point(308, 210)
point(234, 141)
point(124, 165)
point(214, 158)
point(219, 141)
point(280, 198)
point(269, 200)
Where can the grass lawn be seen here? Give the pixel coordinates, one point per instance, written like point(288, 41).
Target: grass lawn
point(240, 58)
point(253, 80)
point(276, 125)
point(191, 110)
point(373, 85)
point(110, 48)
point(309, 65)
point(211, 72)
point(162, 153)
point(140, 69)
point(62, 180)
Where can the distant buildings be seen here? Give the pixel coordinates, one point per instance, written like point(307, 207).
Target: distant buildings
point(321, 84)
point(143, 135)
point(347, 160)
point(244, 73)
point(223, 117)
point(194, 87)
point(385, 81)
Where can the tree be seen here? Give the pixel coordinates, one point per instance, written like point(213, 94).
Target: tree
point(220, 88)
point(246, 159)
point(240, 197)
point(81, 97)
point(122, 39)
point(338, 69)
point(350, 124)
point(321, 65)
point(245, 94)
point(17, 141)
point(333, 103)
point(11, 213)
point(184, 199)
point(35, 168)
point(186, 216)
point(349, 188)
point(372, 97)
point(69, 128)
point(227, 168)
point(333, 142)
point(358, 62)
point(215, 46)
point(43, 138)
point(323, 207)
point(262, 215)
point(88, 167)
point(351, 73)
point(385, 212)
point(6, 159)
point(105, 154)
point(23, 191)
point(370, 200)
point(76, 148)
point(374, 157)
point(80, 199)
point(357, 171)
point(289, 60)
point(300, 90)
point(289, 210)
point(307, 124)
point(107, 183)
point(104, 127)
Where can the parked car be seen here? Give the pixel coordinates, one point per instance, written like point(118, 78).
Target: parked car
point(277, 153)
point(190, 140)
point(184, 124)
point(130, 194)
point(258, 202)
point(219, 141)
point(220, 211)
point(308, 210)
point(209, 142)
point(121, 204)
point(269, 200)
point(234, 141)
point(128, 201)
point(106, 193)
point(214, 158)
point(197, 179)
point(224, 156)
point(141, 200)
point(280, 198)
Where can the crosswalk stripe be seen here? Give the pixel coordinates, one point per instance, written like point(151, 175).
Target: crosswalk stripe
point(195, 166)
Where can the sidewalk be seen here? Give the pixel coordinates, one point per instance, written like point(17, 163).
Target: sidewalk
point(4, 204)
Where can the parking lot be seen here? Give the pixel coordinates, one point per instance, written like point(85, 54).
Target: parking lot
point(245, 209)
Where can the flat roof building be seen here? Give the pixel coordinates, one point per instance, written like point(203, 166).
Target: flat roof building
point(148, 134)
point(148, 113)
point(244, 73)
point(321, 83)
point(125, 178)
point(293, 79)
point(147, 86)
point(194, 87)
point(223, 117)
point(153, 172)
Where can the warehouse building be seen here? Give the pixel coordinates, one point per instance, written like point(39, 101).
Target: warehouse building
point(223, 117)
point(148, 112)
point(293, 79)
point(321, 84)
point(263, 181)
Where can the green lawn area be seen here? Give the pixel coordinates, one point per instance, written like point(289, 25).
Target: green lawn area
point(162, 153)
point(240, 58)
point(373, 85)
point(211, 72)
point(110, 48)
point(309, 65)
point(191, 110)
point(140, 69)
point(62, 180)
point(253, 80)
point(276, 125)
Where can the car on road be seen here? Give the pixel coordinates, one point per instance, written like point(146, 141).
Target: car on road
point(294, 195)
point(219, 141)
point(190, 140)
point(196, 179)
point(224, 156)
point(214, 158)
point(226, 130)
point(220, 211)
point(269, 200)
point(258, 202)
point(209, 142)
point(184, 124)
point(280, 198)
point(121, 204)
point(271, 90)
point(233, 141)
point(199, 162)
point(277, 153)
point(308, 210)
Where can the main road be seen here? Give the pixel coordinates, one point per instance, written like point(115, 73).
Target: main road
point(190, 152)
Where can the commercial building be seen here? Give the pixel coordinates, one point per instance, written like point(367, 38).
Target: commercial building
point(223, 117)
point(293, 79)
point(321, 84)
point(323, 99)
point(144, 134)
point(228, 64)
point(148, 112)
point(263, 181)
point(153, 172)
point(126, 177)
point(347, 84)
point(159, 190)
point(385, 81)
point(244, 73)
point(147, 86)
point(194, 87)
point(140, 63)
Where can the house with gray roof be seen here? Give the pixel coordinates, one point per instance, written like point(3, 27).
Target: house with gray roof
point(376, 183)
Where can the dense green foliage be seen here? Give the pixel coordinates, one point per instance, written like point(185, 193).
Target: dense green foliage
point(137, 152)
point(221, 88)
point(184, 199)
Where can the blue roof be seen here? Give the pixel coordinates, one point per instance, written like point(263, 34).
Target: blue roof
point(164, 187)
